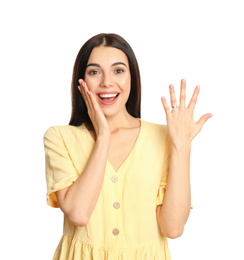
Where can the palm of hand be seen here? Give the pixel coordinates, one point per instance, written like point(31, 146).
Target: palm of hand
point(95, 113)
point(182, 127)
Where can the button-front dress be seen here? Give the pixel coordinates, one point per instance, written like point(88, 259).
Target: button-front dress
point(123, 224)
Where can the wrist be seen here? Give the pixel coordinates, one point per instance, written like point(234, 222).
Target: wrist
point(182, 146)
point(103, 138)
point(102, 144)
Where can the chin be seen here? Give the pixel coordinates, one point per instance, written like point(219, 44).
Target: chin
point(111, 112)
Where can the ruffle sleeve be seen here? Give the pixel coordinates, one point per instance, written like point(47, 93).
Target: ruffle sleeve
point(161, 191)
point(60, 170)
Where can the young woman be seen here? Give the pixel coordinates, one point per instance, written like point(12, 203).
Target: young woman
point(122, 183)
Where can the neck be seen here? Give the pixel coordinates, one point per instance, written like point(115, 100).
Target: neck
point(118, 121)
point(121, 120)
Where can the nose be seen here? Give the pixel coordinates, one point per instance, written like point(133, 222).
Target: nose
point(107, 81)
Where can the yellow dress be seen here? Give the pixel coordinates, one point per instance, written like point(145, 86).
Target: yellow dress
point(123, 224)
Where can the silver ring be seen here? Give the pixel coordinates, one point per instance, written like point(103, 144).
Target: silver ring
point(174, 106)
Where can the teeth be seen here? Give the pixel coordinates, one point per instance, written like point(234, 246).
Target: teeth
point(108, 95)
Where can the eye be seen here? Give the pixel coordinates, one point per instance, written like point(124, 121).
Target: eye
point(93, 72)
point(118, 71)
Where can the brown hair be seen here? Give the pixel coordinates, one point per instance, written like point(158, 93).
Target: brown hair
point(79, 113)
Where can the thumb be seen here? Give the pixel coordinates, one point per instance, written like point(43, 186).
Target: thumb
point(203, 120)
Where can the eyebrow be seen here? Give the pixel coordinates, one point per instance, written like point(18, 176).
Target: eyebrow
point(114, 64)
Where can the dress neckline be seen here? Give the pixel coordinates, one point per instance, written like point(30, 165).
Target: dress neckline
point(129, 154)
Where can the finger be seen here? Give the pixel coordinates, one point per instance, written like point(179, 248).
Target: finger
point(81, 89)
point(203, 120)
point(84, 91)
point(165, 105)
point(88, 96)
point(172, 95)
point(183, 93)
point(193, 100)
point(93, 101)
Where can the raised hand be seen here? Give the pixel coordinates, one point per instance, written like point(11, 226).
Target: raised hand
point(95, 113)
point(182, 127)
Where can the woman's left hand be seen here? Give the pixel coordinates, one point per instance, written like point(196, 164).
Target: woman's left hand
point(182, 127)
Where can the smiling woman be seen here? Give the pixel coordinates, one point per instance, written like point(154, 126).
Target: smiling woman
point(133, 105)
point(122, 183)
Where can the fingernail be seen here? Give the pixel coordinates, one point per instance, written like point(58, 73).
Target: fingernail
point(81, 81)
point(163, 98)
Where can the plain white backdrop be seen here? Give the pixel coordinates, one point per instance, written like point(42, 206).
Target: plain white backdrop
point(201, 41)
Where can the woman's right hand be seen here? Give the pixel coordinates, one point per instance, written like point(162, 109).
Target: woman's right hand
point(95, 113)
point(79, 199)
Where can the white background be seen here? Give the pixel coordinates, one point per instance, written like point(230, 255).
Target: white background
point(201, 41)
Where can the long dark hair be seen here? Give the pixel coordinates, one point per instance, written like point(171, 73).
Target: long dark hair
point(79, 113)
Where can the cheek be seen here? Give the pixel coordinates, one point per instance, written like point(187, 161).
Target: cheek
point(91, 83)
point(126, 82)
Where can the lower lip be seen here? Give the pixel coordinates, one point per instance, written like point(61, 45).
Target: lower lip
point(108, 101)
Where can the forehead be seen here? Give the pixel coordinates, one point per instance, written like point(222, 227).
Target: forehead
point(107, 55)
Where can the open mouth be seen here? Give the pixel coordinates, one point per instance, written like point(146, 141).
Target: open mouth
point(108, 98)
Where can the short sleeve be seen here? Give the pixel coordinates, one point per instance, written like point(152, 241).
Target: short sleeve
point(161, 191)
point(60, 171)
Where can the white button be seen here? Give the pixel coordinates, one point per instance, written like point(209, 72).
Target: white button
point(115, 178)
point(115, 231)
point(116, 205)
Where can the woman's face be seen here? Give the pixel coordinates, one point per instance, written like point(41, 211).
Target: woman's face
point(108, 78)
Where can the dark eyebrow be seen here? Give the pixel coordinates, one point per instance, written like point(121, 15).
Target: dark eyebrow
point(119, 63)
point(93, 64)
point(114, 64)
